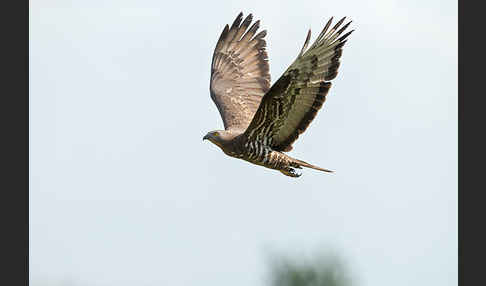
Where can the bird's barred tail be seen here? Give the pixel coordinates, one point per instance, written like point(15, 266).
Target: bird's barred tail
point(307, 165)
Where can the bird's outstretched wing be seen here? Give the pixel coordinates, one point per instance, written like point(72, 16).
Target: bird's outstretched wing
point(239, 73)
point(295, 98)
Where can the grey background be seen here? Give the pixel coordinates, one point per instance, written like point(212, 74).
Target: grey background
point(124, 192)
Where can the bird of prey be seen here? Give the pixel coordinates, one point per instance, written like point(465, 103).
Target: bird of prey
point(261, 122)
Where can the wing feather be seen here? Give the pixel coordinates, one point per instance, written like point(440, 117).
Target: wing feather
point(239, 72)
point(293, 101)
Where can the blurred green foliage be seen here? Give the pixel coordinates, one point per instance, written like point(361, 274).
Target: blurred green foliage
point(321, 270)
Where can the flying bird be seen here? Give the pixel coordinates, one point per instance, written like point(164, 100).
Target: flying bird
point(262, 121)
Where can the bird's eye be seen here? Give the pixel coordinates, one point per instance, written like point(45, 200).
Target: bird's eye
point(216, 134)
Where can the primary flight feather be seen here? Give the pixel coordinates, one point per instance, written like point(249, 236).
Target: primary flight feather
point(262, 121)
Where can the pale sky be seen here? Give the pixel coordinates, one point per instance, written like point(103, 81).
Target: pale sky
point(124, 192)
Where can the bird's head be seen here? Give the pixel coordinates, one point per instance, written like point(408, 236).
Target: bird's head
point(219, 137)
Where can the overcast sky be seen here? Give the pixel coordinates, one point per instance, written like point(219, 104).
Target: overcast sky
point(124, 192)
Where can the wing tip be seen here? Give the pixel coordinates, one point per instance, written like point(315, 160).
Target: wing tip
point(306, 43)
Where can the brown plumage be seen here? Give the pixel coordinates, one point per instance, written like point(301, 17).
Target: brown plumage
point(262, 122)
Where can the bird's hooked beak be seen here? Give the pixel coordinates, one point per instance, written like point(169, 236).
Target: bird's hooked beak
point(206, 137)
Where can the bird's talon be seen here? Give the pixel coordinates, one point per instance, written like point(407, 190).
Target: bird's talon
point(291, 173)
